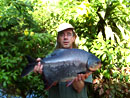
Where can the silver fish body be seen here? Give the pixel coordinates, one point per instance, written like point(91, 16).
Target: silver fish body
point(65, 64)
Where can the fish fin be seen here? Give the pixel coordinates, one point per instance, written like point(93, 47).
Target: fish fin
point(27, 70)
point(48, 83)
point(29, 67)
point(69, 83)
point(48, 86)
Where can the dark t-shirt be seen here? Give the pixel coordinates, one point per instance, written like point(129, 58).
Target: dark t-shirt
point(61, 91)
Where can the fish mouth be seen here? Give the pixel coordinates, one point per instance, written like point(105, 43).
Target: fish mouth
point(94, 68)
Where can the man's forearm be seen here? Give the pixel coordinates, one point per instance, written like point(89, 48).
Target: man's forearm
point(79, 83)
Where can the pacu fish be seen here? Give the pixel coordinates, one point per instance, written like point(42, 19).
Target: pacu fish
point(63, 65)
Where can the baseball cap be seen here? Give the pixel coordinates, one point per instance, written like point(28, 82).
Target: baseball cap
point(64, 26)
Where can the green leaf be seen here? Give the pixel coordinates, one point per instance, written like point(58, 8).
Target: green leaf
point(103, 57)
point(106, 74)
point(110, 57)
point(6, 78)
point(106, 85)
point(126, 78)
point(115, 74)
point(121, 77)
point(4, 84)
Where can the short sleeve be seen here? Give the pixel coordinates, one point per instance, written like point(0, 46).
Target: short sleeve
point(89, 79)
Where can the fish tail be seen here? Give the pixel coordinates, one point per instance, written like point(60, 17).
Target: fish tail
point(30, 59)
point(29, 67)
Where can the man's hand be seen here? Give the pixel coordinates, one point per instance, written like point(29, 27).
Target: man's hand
point(38, 67)
point(78, 83)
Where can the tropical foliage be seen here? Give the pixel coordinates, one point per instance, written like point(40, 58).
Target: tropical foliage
point(28, 27)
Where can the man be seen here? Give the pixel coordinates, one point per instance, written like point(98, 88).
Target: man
point(66, 39)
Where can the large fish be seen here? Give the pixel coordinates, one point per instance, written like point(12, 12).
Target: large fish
point(63, 65)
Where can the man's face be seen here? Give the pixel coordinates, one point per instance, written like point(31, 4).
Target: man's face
point(66, 38)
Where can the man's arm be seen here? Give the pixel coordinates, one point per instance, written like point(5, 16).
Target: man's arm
point(79, 83)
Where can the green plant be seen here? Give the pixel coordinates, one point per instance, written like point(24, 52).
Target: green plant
point(113, 79)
